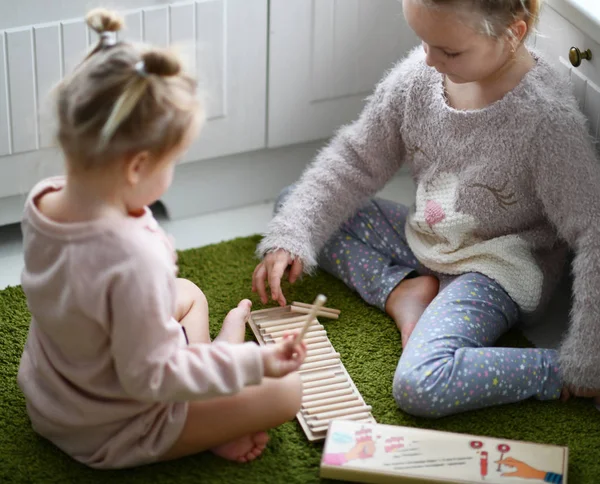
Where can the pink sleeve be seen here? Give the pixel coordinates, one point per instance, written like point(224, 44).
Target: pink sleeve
point(150, 361)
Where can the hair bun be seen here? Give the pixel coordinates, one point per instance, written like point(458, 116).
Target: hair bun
point(161, 62)
point(102, 20)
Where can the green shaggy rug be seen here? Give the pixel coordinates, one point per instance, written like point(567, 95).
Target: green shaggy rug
point(369, 345)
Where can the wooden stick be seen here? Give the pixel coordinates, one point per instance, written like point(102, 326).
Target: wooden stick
point(326, 388)
point(335, 406)
point(341, 413)
point(322, 344)
point(275, 310)
point(326, 395)
point(309, 306)
point(311, 329)
point(287, 327)
point(361, 417)
point(310, 359)
point(318, 375)
point(325, 381)
point(319, 301)
point(316, 339)
point(318, 364)
point(315, 424)
point(325, 314)
point(276, 322)
point(319, 351)
point(330, 401)
point(314, 334)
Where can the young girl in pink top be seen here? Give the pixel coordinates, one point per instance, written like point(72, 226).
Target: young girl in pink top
point(118, 369)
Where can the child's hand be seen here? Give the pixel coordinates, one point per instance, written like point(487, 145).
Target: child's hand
point(283, 357)
point(272, 268)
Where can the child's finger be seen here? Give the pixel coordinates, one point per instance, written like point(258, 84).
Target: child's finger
point(304, 349)
point(290, 348)
point(295, 271)
point(258, 282)
point(275, 275)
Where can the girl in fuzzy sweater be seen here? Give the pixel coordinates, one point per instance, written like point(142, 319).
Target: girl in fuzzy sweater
point(507, 179)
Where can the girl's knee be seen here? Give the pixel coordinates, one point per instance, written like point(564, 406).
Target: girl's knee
point(190, 296)
point(188, 287)
point(419, 394)
point(406, 381)
point(188, 291)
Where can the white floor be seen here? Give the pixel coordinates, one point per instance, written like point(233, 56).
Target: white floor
point(217, 227)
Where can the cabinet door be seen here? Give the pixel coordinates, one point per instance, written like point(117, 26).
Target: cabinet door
point(554, 39)
point(325, 57)
point(222, 41)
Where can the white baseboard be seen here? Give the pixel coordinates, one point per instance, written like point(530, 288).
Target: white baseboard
point(11, 209)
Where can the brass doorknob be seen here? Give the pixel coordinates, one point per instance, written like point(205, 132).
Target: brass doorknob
point(576, 56)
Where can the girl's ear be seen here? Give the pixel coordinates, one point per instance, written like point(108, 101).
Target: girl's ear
point(517, 32)
point(136, 166)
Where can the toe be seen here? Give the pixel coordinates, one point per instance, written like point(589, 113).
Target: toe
point(254, 454)
point(261, 438)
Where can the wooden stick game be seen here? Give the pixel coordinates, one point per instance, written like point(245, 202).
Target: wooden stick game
point(328, 391)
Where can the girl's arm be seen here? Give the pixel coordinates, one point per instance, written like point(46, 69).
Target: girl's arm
point(357, 163)
point(150, 357)
point(567, 180)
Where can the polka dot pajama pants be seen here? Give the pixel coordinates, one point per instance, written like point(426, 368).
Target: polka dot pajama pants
point(449, 364)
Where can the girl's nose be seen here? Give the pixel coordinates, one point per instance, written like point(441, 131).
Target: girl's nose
point(428, 57)
point(431, 58)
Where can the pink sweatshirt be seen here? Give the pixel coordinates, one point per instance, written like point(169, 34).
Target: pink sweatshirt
point(106, 370)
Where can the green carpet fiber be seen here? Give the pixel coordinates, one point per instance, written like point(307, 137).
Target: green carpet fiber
point(369, 345)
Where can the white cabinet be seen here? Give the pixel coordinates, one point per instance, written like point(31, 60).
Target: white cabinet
point(325, 57)
point(223, 42)
point(275, 74)
point(555, 37)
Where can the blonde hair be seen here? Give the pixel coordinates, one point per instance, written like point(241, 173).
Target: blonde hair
point(498, 15)
point(123, 99)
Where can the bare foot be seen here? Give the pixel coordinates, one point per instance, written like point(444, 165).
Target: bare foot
point(408, 301)
point(234, 325)
point(244, 449)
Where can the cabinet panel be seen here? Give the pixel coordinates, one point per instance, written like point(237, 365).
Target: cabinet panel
point(231, 60)
point(48, 73)
point(21, 90)
point(325, 57)
point(4, 119)
point(155, 26)
point(75, 39)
